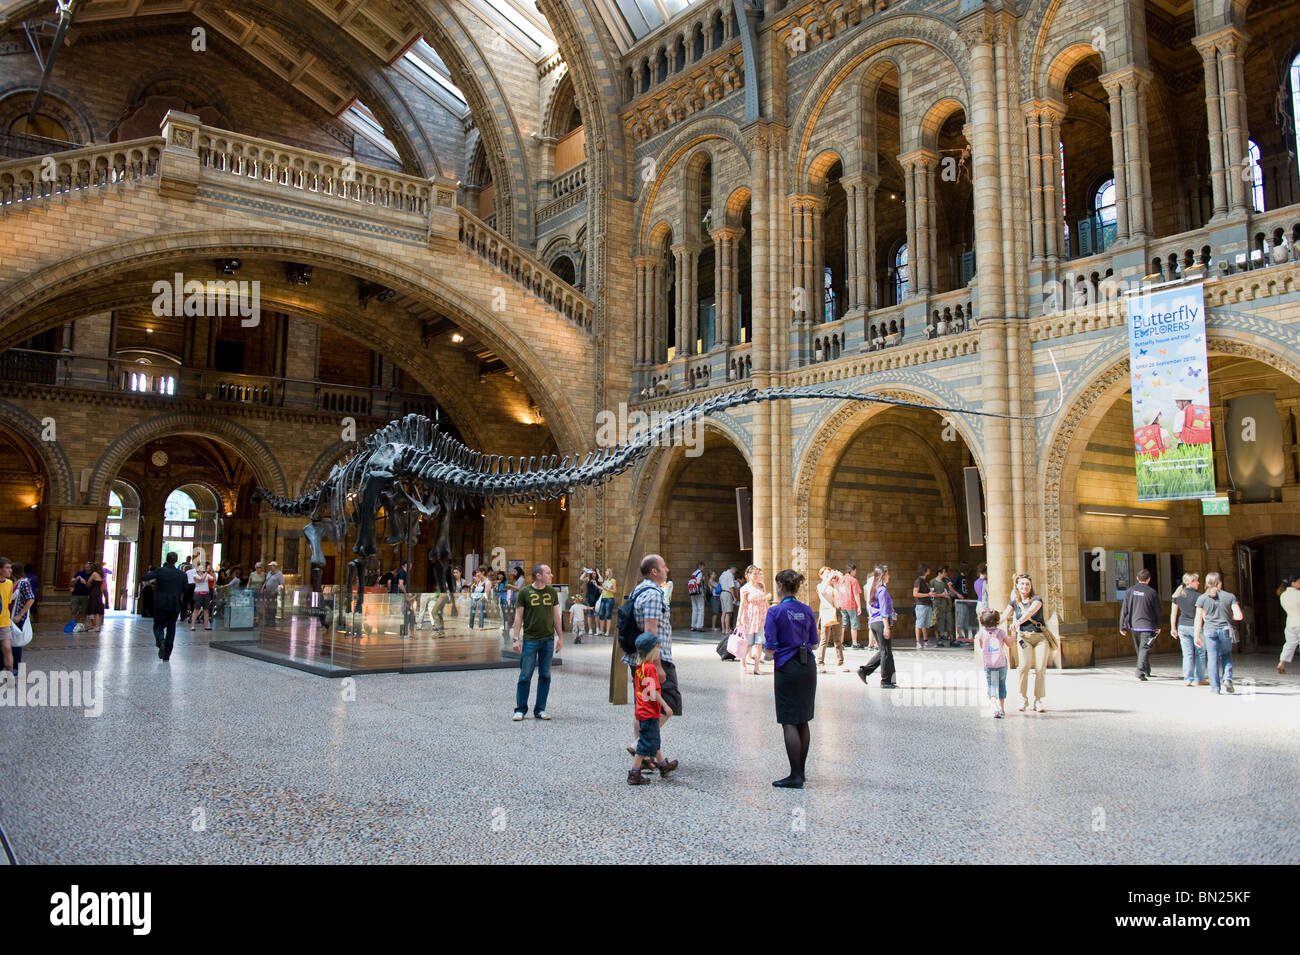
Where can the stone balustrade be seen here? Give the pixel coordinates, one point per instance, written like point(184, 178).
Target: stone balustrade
point(224, 154)
point(35, 178)
point(885, 328)
point(524, 269)
point(950, 314)
point(571, 180)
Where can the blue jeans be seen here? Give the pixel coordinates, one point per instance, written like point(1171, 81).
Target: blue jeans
point(478, 605)
point(534, 655)
point(997, 680)
point(1218, 652)
point(507, 618)
point(1193, 656)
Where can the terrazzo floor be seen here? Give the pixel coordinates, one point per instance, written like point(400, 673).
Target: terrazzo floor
point(215, 757)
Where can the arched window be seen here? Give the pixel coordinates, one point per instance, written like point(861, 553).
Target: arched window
point(1103, 217)
point(828, 297)
point(1295, 101)
point(900, 274)
point(180, 518)
point(1256, 177)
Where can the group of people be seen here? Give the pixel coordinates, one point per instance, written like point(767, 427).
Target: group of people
point(591, 607)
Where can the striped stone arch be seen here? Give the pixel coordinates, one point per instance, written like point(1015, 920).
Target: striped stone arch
point(235, 436)
point(63, 486)
point(22, 301)
point(1063, 453)
point(817, 458)
point(890, 32)
point(643, 474)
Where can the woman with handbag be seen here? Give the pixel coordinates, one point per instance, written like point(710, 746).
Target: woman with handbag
point(1025, 625)
point(749, 618)
point(20, 614)
point(95, 599)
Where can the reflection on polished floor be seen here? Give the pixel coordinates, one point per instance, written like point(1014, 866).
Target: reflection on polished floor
point(216, 757)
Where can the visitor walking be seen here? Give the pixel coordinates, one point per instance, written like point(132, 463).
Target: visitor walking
point(1182, 621)
point(605, 609)
point(715, 601)
point(848, 601)
point(95, 598)
point(1289, 593)
point(1025, 624)
point(503, 601)
point(80, 593)
point(728, 595)
point(169, 589)
point(789, 638)
point(881, 622)
point(1140, 613)
point(1215, 611)
point(6, 617)
point(650, 611)
point(981, 583)
point(695, 588)
point(578, 617)
point(203, 582)
point(942, 596)
point(924, 609)
point(592, 579)
point(478, 592)
point(271, 592)
point(992, 643)
point(828, 620)
point(538, 634)
point(651, 712)
point(749, 618)
point(24, 599)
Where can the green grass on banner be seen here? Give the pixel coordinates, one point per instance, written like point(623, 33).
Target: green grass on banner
point(1182, 484)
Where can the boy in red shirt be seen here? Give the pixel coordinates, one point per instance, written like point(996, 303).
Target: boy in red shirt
point(650, 709)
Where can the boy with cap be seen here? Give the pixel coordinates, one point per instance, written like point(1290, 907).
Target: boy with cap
point(649, 710)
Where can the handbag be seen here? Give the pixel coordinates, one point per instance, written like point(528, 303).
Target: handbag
point(736, 645)
point(22, 635)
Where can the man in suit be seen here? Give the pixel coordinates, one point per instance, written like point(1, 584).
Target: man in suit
point(169, 588)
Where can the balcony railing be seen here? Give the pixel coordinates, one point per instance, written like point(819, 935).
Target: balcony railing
point(22, 145)
point(26, 180)
point(950, 314)
point(173, 383)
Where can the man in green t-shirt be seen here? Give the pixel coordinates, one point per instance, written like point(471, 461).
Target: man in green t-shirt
point(537, 614)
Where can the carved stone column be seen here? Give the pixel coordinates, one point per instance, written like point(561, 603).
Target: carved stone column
point(1126, 89)
point(644, 302)
point(860, 235)
point(725, 243)
point(918, 174)
point(1043, 136)
point(1225, 105)
point(686, 260)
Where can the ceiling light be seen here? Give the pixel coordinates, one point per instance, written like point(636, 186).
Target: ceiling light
point(457, 337)
point(148, 331)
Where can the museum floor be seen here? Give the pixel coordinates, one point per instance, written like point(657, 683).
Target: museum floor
point(215, 757)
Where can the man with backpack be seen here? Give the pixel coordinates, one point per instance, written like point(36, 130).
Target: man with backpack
point(695, 587)
point(646, 611)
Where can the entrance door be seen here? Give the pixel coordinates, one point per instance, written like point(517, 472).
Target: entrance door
point(1272, 558)
point(1246, 595)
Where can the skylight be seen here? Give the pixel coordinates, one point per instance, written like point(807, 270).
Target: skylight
point(425, 67)
point(360, 119)
point(631, 20)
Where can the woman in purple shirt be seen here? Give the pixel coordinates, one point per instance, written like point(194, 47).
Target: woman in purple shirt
point(882, 621)
point(789, 639)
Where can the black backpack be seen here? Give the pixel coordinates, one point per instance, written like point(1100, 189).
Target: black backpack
point(628, 628)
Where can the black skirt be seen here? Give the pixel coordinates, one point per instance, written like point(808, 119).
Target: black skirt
point(796, 686)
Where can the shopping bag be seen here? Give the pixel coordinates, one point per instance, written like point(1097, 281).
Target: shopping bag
point(736, 644)
point(23, 635)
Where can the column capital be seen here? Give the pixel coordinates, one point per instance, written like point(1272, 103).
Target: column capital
point(1051, 110)
point(684, 248)
point(647, 261)
point(924, 157)
point(865, 180)
point(1126, 76)
point(726, 233)
point(799, 202)
point(1229, 39)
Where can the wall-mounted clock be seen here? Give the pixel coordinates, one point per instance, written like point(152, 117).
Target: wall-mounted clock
point(159, 459)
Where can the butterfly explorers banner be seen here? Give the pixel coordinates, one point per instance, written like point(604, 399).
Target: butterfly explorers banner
point(1171, 394)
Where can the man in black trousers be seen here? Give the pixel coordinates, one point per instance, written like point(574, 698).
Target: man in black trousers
point(1141, 614)
point(169, 588)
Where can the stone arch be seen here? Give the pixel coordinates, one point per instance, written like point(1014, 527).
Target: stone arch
point(815, 180)
point(62, 487)
point(1065, 449)
point(559, 105)
point(25, 303)
point(820, 452)
point(922, 29)
point(218, 428)
point(735, 205)
point(1056, 69)
point(679, 146)
point(935, 117)
point(59, 103)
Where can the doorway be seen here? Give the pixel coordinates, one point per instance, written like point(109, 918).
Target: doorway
point(1271, 559)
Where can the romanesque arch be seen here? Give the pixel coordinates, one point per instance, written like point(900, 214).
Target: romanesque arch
point(62, 487)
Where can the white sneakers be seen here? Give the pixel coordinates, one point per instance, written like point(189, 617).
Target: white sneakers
point(542, 715)
point(518, 717)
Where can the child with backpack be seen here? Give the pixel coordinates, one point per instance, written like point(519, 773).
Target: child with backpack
point(579, 613)
point(992, 643)
point(650, 709)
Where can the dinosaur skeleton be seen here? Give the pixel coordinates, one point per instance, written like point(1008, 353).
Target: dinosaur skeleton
point(413, 470)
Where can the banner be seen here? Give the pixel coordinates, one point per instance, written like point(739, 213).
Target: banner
point(1171, 394)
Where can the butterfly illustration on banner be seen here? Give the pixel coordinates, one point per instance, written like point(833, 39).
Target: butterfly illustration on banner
point(1193, 371)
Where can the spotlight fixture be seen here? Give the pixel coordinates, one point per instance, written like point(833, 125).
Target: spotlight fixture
point(148, 331)
point(457, 337)
point(372, 291)
point(298, 274)
point(228, 266)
